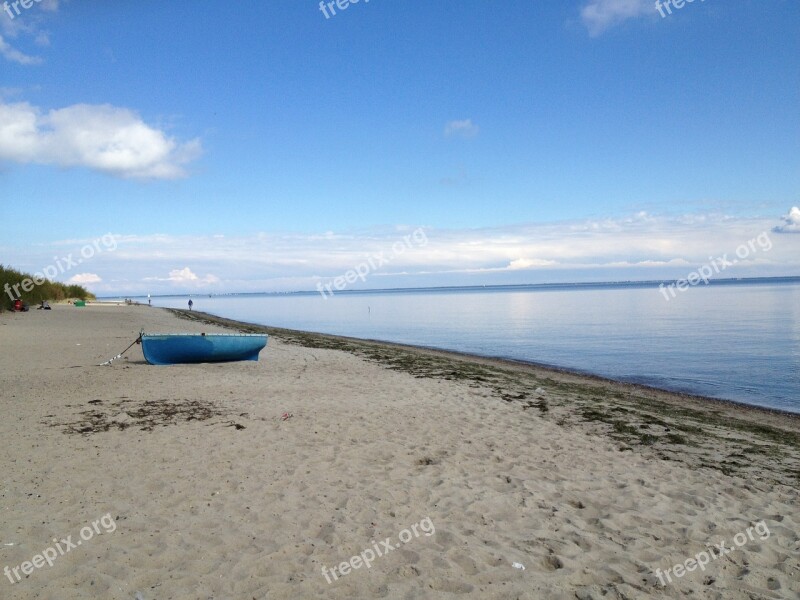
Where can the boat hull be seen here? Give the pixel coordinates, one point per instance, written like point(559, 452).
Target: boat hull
point(182, 348)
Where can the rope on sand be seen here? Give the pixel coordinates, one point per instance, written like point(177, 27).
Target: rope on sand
point(136, 341)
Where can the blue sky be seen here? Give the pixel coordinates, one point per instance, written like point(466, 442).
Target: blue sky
point(260, 146)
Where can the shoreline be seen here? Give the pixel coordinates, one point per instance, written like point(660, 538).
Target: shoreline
point(497, 360)
point(663, 424)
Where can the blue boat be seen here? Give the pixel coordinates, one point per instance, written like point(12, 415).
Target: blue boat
point(177, 348)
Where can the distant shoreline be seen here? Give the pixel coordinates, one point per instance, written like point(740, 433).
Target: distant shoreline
point(589, 285)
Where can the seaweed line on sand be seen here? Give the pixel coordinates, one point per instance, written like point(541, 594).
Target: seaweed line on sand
point(748, 442)
point(125, 413)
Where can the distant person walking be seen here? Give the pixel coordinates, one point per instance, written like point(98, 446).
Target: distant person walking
point(191, 304)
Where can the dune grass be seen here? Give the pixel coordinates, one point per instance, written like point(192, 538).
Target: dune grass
point(47, 290)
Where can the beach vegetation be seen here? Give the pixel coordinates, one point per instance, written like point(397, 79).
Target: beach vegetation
point(11, 286)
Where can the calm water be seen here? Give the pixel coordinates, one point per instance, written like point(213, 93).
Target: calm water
point(738, 342)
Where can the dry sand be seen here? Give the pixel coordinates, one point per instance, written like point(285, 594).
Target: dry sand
point(589, 484)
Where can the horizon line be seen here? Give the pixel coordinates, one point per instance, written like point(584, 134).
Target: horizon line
point(576, 284)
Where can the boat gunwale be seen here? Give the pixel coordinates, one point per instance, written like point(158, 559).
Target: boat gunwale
point(260, 335)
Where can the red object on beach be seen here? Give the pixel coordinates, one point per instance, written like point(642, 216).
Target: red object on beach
point(286, 416)
point(18, 305)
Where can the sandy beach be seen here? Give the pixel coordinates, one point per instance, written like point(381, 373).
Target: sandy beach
point(451, 476)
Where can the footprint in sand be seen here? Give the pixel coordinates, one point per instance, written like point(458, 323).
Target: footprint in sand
point(552, 563)
point(450, 586)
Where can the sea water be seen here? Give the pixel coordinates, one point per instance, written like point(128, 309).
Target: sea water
point(738, 342)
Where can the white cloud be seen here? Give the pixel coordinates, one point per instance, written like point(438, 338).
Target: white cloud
point(527, 263)
point(464, 128)
point(84, 278)
point(105, 138)
point(186, 276)
point(600, 15)
point(791, 222)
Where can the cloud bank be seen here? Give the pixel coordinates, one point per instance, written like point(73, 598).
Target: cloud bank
point(637, 247)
